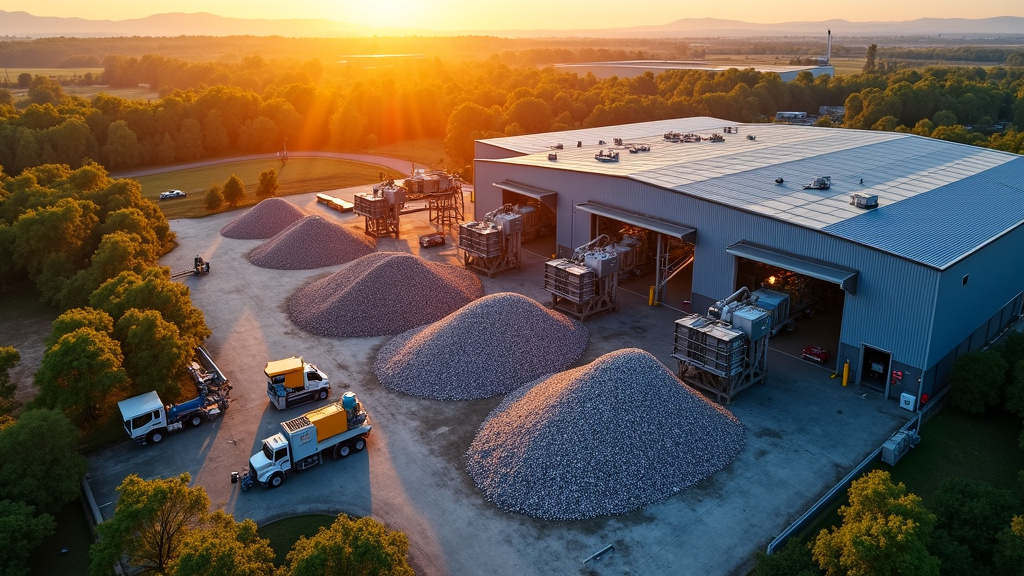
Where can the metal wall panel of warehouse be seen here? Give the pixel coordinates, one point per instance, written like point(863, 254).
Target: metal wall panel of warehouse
point(904, 304)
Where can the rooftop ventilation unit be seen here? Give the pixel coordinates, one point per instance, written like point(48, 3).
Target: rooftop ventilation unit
point(552, 156)
point(864, 201)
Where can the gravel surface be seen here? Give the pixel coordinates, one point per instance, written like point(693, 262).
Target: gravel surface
point(263, 220)
point(605, 438)
point(488, 347)
point(382, 294)
point(312, 242)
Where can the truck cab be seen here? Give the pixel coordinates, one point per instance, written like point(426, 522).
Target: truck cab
point(291, 382)
point(144, 417)
point(273, 462)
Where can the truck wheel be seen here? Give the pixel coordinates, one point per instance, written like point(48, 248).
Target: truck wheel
point(196, 420)
point(155, 437)
point(322, 395)
point(342, 450)
point(276, 479)
point(358, 444)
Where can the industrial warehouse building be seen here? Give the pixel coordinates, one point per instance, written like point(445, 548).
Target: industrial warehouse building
point(913, 251)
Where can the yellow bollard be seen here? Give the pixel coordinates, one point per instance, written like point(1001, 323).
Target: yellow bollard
point(846, 372)
point(650, 297)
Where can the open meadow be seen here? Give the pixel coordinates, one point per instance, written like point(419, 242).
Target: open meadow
point(297, 176)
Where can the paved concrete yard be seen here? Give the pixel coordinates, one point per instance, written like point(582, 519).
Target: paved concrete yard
point(804, 431)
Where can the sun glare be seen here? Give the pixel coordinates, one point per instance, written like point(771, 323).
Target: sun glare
point(378, 13)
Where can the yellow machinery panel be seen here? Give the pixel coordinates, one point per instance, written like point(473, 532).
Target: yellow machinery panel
point(287, 372)
point(329, 420)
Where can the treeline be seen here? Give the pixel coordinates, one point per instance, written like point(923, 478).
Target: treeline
point(259, 107)
point(62, 52)
point(986, 54)
point(942, 101)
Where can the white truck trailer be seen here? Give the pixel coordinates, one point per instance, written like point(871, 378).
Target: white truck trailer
point(336, 430)
point(147, 420)
point(291, 382)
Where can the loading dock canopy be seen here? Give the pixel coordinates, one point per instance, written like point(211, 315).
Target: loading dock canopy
point(549, 198)
point(845, 278)
point(646, 222)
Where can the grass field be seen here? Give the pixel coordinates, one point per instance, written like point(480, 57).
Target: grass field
point(299, 176)
point(283, 534)
point(428, 151)
point(67, 551)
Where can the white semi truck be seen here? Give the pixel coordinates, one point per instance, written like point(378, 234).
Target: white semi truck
point(147, 420)
point(335, 430)
point(291, 382)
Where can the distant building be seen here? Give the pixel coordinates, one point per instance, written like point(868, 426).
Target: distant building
point(631, 68)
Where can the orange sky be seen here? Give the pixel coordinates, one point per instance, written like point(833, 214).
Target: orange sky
point(450, 15)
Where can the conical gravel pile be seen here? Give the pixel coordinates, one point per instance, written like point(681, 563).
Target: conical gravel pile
point(486, 348)
point(381, 294)
point(605, 438)
point(312, 242)
point(263, 220)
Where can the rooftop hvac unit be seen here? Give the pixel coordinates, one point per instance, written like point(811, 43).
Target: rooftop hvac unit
point(864, 201)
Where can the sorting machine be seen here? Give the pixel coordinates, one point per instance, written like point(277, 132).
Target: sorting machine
point(495, 243)
point(585, 283)
point(381, 208)
point(725, 351)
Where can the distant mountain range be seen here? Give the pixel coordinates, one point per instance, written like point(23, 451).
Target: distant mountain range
point(23, 24)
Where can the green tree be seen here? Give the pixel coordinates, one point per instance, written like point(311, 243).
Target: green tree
point(24, 80)
point(1009, 556)
point(349, 546)
point(153, 290)
point(40, 465)
point(224, 547)
point(150, 524)
point(76, 318)
point(467, 123)
point(61, 228)
point(268, 184)
point(871, 62)
point(214, 198)
point(122, 149)
point(234, 191)
point(969, 515)
point(884, 532)
point(21, 531)
point(155, 356)
point(117, 252)
point(215, 136)
point(80, 372)
point(189, 143)
point(1015, 391)
point(9, 357)
point(944, 118)
point(978, 380)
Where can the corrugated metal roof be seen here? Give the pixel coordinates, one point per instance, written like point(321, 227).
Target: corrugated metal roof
point(946, 224)
point(915, 178)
